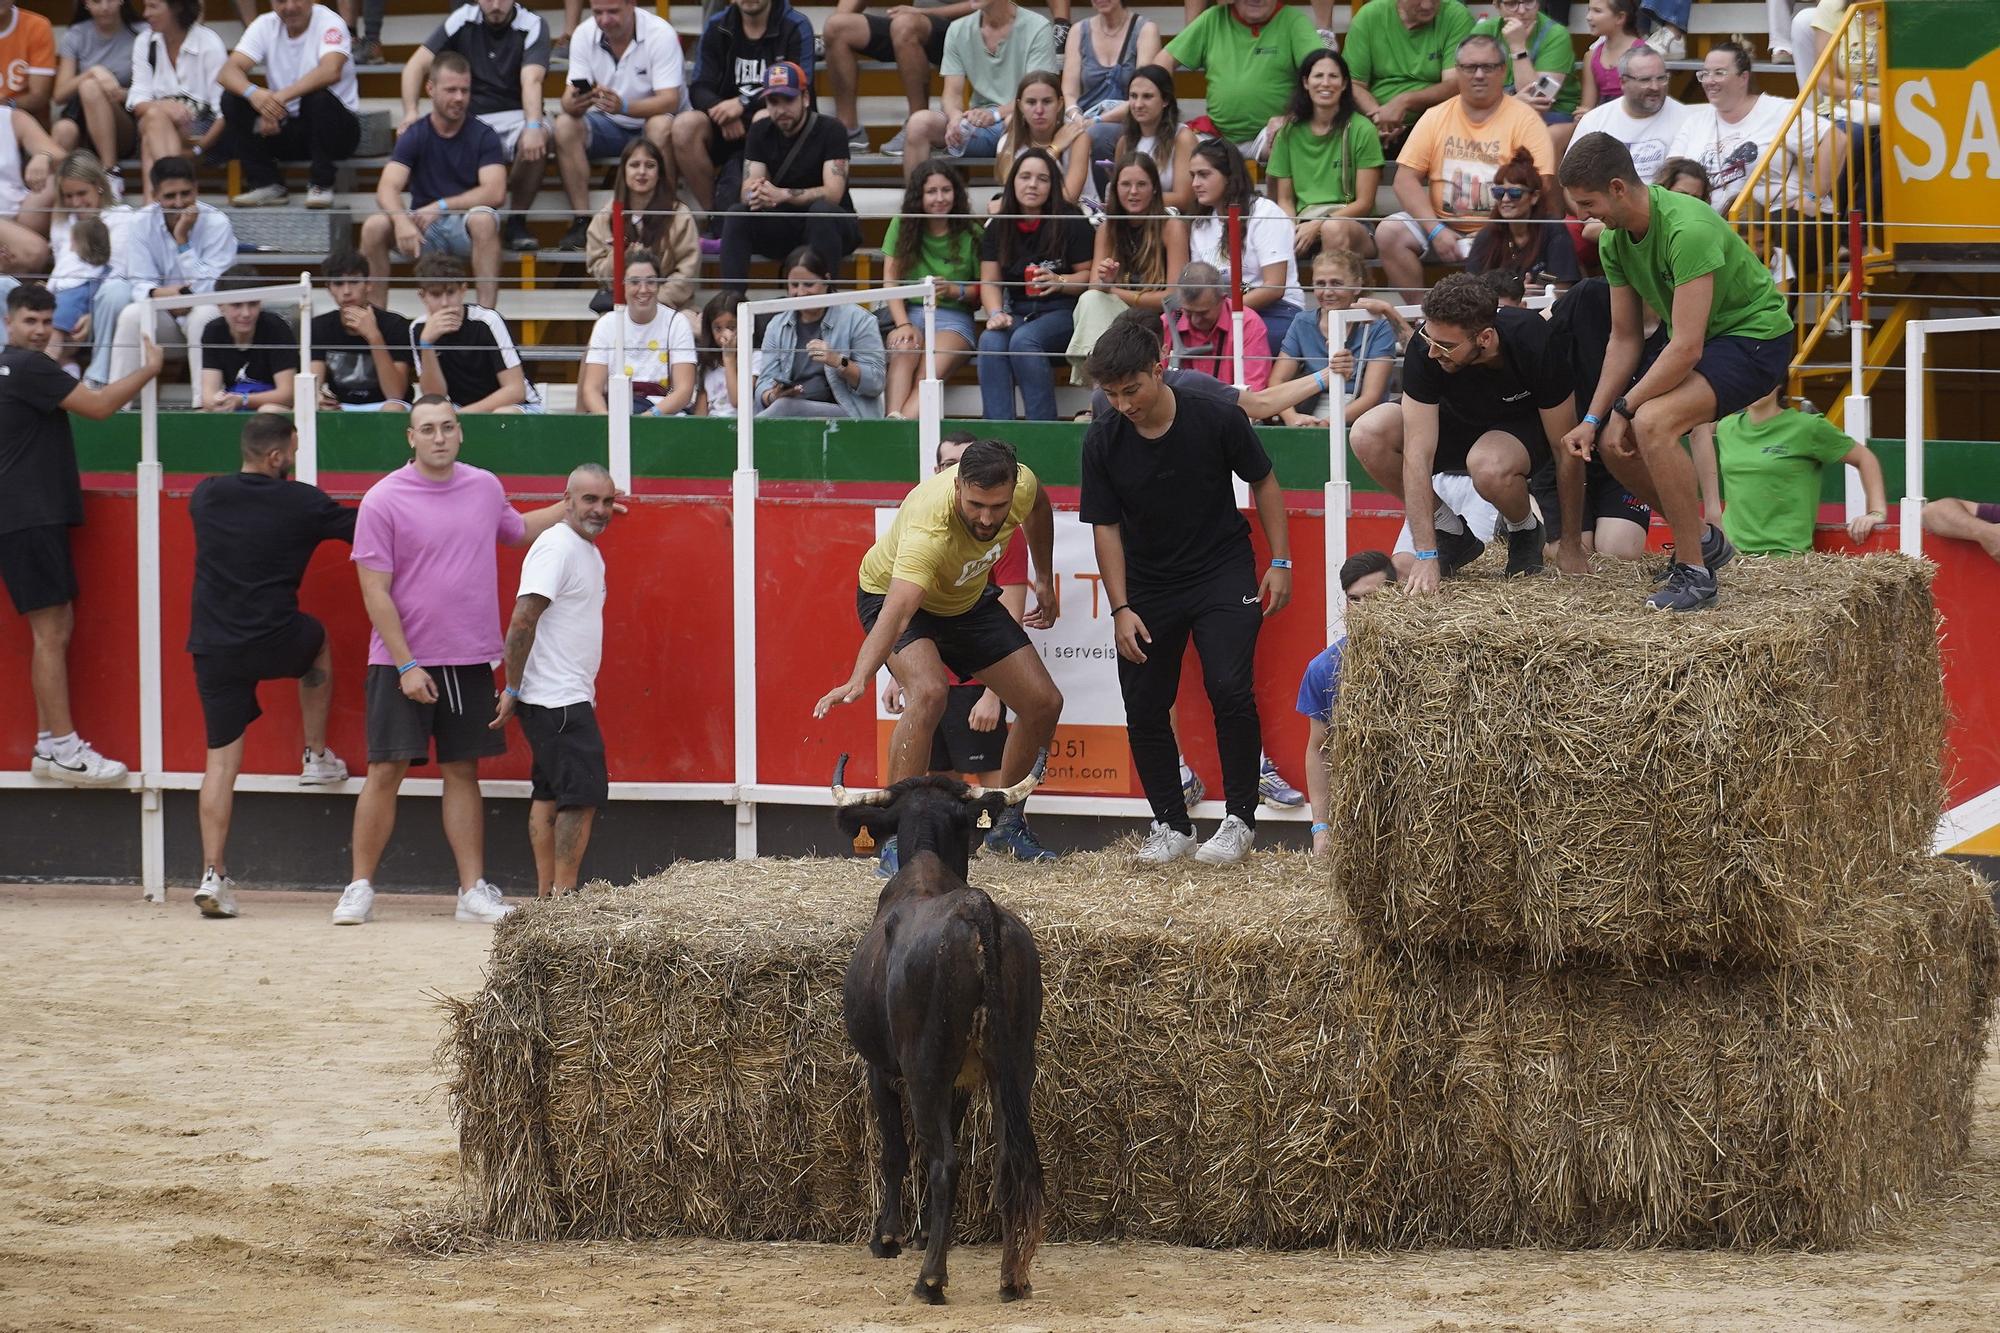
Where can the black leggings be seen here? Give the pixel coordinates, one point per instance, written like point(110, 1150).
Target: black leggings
point(1223, 616)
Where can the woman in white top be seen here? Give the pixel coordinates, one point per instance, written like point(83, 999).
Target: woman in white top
point(1270, 280)
point(1042, 119)
point(1153, 127)
point(715, 358)
point(174, 89)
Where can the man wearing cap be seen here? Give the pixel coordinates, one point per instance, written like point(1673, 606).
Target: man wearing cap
point(794, 182)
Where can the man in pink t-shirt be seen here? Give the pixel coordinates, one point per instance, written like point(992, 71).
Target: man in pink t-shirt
point(424, 551)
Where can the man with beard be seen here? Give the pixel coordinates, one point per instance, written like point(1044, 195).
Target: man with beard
point(794, 182)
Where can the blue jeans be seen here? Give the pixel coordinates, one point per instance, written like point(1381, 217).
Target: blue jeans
point(113, 295)
point(1032, 341)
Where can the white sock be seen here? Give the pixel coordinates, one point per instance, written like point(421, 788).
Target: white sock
point(65, 747)
point(1446, 519)
point(42, 742)
point(1521, 525)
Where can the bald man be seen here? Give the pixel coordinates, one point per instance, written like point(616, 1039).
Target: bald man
point(554, 645)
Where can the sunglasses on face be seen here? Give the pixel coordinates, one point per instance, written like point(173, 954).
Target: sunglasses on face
point(1508, 194)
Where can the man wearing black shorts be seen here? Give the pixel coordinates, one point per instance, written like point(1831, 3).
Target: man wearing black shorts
point(929, 608)
point(1729, 343)
point(1484, 391)
point(554, 645)
point(1176, 561)
point(41, 499)
point(910, 37)
point(255, 532)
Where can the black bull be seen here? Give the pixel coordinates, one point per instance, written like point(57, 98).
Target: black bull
point(939, 957)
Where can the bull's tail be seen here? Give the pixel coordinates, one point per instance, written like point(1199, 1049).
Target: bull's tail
point(1010, 1072)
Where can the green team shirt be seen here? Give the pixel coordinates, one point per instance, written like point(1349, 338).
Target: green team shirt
point(948, 258)
point(1549, 44)
point(1322, 169)
point(1393, 60)
point(1771, 478)
point(1686, 239)
point(1251, 71)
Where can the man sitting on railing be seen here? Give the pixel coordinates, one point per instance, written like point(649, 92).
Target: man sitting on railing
point(794, 183)
point(311, 108)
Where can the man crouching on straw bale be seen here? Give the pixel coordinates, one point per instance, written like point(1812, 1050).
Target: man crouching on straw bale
point(927, 603)
point(1364, 573)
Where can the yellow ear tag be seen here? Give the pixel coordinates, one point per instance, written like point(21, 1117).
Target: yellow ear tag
point(863, 843)
point(985, 819)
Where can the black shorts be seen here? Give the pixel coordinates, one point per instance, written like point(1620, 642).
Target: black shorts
point(955, 746)
point(1739, 370)
point(1606, 497)
point(968, 643)
point(227, 682)
point(35, 565)
point(569, 755)
point(400, 728)
point(128, 132)
point(1455, 442)
point(881, 48)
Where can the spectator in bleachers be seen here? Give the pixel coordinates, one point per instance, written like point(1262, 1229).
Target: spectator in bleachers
point(1730, 134)
point(1400, 53)
point(455, 170)
point(715, 358)
point(464, 351)
point(726, 90)
point(824, 362)
point(1199, 333)
point(1363, 574)
point(508, 51)
point(177, 245)
point(1615, 24)
point(1771, 457)
point(934, 236)
point(1326, 160)
point(1098, 60)
point(93, 71)
point(1251, 51)
point(1153, 127)
point(1541, 64)
point(1256, 405)
point(310, 108)
point(1369, 347)
point(1034, 262)
point(910, 37)
point(985, 56)
point(1322, 15)
point(1139, 249)
point(361, 352)
point(1041, 119)
point(250, 359)
point(1850, 93)
point(28, 160)
point(175, 93)
point(1642, 116)
point(1269, 280)
point(626, 77)
point(659, 348)
point(794, 183)
point(1965, 521)
point(367, 32)
point(1446, 168)
point(655, 220)
point(81, 267)
point(27, 60)
point(1521, 236)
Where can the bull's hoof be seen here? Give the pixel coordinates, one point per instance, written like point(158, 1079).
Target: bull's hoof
point(929, 1291)
point(1010, 1292)
point(885, 1247)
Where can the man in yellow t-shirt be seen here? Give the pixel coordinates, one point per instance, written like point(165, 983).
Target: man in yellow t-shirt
point(927, 605)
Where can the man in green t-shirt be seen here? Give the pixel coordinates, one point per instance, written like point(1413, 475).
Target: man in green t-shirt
point(1541, 64)
point(1770, 458)
point(1250, 51)
point(1400, 53)
point(1729, 343)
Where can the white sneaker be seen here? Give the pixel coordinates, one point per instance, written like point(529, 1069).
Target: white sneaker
point(481, 904)
point(217, 895)
point(1230, 844)
point(39, 765)
point(319, 196)
point(86, 768)
point(894, 148)
point(264, 196)
point(322, 770)
point(1163, 845)
point(357, 905)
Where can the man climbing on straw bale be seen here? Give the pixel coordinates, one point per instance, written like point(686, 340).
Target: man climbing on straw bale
point(1363, 574)
point(1729, 344)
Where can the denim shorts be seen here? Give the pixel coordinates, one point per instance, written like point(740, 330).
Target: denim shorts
point(983, 140)
point(448, 235)
point(73, 303)
point(950, 319)
point(607, 137)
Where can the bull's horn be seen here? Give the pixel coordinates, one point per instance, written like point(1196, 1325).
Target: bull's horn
point(1018, 793)
point(865, 796)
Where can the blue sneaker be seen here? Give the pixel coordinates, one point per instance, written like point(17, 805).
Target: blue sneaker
point(1012, 837)
point(887, 862)
point(1192, 789)
point(1274, 790)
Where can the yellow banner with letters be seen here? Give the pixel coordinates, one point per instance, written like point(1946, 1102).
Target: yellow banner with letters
point(1941, 135)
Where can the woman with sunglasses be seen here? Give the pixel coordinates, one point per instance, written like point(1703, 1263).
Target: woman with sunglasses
point(1034, 263)
point(1519, 237)
point(1326, 161)
point(1270, 278)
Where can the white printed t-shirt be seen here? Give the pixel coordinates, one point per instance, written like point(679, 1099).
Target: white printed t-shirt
point(651, 350)
point(569, 638)
point(1649, 139)
point(287, 59)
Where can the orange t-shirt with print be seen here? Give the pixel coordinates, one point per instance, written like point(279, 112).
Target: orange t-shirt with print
point(1460, 158)
point(27, 47)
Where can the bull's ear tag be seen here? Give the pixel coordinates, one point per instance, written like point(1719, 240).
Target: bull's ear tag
point(985, 819)
point(864, 844)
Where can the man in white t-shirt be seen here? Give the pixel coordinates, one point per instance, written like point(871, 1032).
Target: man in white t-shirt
point(626, 75)
point(554, 645)
point(1643, 118)
point(308, 110)
point(659, 348)
point(1730, 134)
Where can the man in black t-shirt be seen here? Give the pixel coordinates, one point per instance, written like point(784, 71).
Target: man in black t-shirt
point(1485, 391)
point(255, 532)
point(794, 183)
point(250, 357)
point(464, 351)
point(41, 499)
point(361, 352)
point(725, 91)
point(1175, 558)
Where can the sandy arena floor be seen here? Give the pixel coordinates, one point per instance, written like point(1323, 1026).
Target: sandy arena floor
point(218, 1124)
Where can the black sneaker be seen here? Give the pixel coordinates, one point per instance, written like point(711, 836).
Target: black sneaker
point(514, 234)
point(1524, 550)
point(574, 238)
point(1456, 550)
point(1688, 588)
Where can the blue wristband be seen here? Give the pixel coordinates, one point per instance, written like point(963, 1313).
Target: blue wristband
point(407, 667)
point(1425, 555)
point(1322, 828)
point(1592, 419)
point(1319, 378)
point(1280, 564)
point(511, 690)
point(1432, 235)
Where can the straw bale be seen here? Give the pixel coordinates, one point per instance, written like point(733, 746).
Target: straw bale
point(1544, 766)
point(1223, 1060)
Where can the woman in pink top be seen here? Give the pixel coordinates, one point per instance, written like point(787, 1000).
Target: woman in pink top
point(1616, 24)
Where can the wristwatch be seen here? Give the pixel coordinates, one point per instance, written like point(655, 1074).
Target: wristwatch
point(1622, 409)
point(843, 363)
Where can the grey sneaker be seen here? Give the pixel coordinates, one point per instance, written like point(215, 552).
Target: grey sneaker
point(217, 895)
point(1716, 551)
point(1230, 844)
point(264, 196)
point(1273, 790)
point(857, 139)
point(1688, 588)
point(1524, 550)
point(1163, 845)
point(894, 148)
